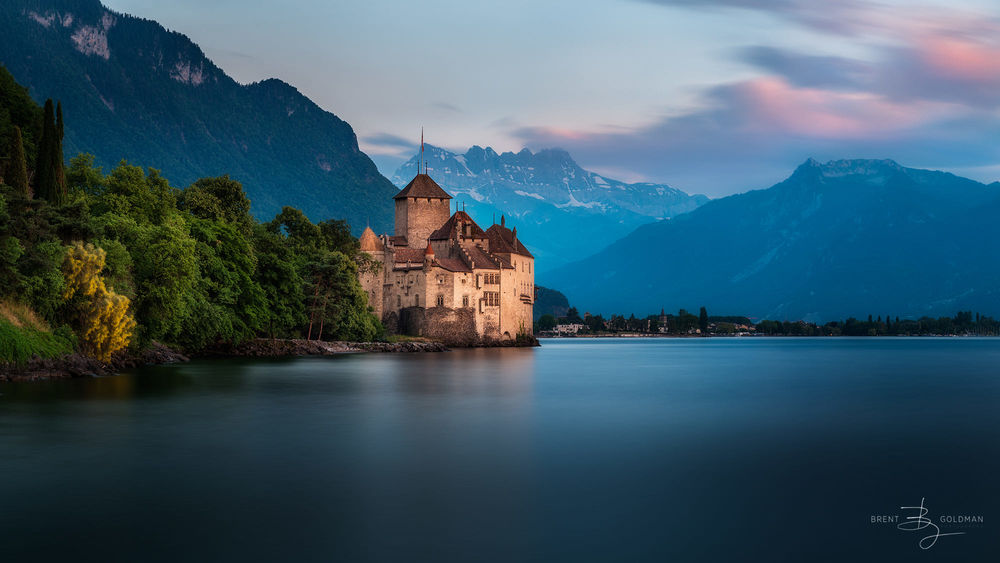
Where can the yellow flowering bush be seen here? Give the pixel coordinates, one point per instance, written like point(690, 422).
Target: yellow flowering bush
point(105, 324)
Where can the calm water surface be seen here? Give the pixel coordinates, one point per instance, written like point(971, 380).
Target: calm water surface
point(583, 450)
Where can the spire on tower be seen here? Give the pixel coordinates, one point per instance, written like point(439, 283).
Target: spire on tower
point(424, 164)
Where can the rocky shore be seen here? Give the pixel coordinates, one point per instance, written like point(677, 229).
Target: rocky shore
point(267, 348)
point(75, 365)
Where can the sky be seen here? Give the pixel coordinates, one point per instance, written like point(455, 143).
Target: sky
point(709, 96)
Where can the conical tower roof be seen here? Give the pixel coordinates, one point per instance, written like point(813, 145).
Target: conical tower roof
point(369, 242)
point(422, 186)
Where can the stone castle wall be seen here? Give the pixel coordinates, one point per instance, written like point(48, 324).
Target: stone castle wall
point(454, 307)
point(417, 218)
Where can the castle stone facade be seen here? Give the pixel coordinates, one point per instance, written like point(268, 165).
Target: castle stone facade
point(442, 276)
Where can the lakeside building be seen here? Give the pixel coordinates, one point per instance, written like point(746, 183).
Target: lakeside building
point(442, 276)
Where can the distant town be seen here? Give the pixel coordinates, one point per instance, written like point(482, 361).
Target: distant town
point(686, 324)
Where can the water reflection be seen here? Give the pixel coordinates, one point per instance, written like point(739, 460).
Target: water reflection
point(708, 450)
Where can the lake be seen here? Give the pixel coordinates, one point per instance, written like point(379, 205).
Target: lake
point(756, 449)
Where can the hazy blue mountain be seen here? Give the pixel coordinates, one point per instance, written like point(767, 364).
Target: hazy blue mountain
point(549, 302)
point(132, 90)
point(851, 237)
point(562, 211)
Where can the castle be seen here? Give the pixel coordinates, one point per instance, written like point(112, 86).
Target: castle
point(444, 277)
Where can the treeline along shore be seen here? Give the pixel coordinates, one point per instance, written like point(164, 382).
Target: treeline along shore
point(685, 324)
point(102, 270)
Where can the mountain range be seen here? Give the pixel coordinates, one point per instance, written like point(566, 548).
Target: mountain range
point(132, 90)
point(562, 211)
point(848, 237)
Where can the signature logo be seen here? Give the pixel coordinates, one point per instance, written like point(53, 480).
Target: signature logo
point(921, 522)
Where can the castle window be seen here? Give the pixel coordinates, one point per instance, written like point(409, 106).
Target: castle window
point(440, 301)
point(465, 300)
point(399, 301)
point(416, 299)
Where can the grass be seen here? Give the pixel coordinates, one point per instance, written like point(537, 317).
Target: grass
point(21, 316)
point(23, 335)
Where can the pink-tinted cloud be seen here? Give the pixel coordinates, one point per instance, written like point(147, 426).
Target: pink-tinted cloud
point(961, 59)
point(754, 131)
point(926, 93)
point(772, 106)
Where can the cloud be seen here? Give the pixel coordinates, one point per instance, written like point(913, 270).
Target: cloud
point(753, 132)
point(844, 17)
point(387, 143)
point(446, 107)
point(923, 88)
point(811, 71)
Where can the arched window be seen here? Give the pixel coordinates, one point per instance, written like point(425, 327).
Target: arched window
point(440, 301)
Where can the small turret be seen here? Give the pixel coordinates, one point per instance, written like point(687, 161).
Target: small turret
point(428, 256)
point(368, 241)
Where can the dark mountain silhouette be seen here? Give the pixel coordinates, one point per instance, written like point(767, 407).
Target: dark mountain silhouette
point(132, 90)
point(851, 237)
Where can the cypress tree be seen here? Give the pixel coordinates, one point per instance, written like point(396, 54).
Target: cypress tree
point(17, 168)
point(44, 178)
point(58, 171)
point(59, 120)
point(50, 177)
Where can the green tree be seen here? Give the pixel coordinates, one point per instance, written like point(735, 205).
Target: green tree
point(546, 322)
point(703, 320)
point(50, 177)
point(83, 176)
point(336, 235)
point(16, 175)
point(145, 196)
point(279, 277)
point(166, 274)
point(59, 124)
point(299, 231)
point(226, 304)
point(339, 305)
point(44, 177)
point(10, 251)
point(218, 199)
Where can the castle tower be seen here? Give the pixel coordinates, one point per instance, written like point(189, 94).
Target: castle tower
point(421, 207)
point(371, 278)
point(428, 256)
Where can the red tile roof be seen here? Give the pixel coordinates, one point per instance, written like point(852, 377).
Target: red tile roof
point(450, 227)
point(422, 186)
point(453, 264)
point(502, 240)
point(414, 255)
point(482, 259)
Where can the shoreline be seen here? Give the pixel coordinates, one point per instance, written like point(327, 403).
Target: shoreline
point(75, 365)
point(641, 335)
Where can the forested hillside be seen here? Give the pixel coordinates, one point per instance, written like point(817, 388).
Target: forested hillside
point(103, 262)
point(150, 96)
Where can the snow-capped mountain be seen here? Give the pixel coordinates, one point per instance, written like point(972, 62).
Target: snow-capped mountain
point(562, 211)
